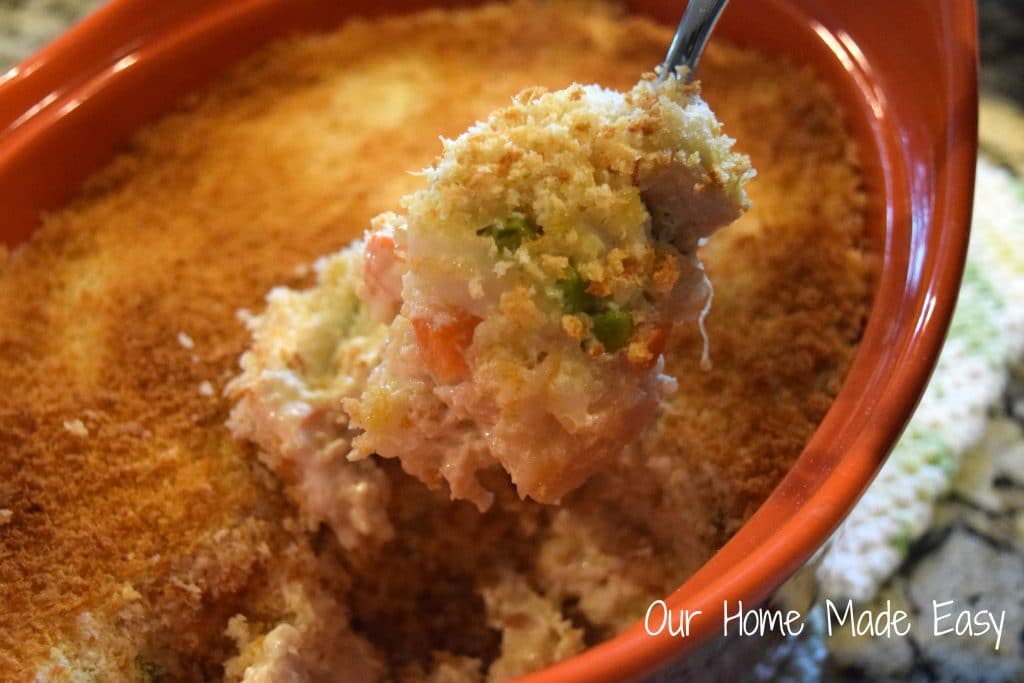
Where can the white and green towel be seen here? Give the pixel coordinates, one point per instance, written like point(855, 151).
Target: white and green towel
point(986, 336)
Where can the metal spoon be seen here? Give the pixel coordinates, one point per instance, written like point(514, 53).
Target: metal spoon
point(688, 43)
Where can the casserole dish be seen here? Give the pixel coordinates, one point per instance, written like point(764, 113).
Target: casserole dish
point(64, 112)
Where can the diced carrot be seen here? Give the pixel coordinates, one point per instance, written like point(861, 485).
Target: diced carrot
point(444, 346)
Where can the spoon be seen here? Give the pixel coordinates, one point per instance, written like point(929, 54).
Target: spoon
point(691, 36)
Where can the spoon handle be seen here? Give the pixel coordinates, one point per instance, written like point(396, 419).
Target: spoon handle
point(688, 43)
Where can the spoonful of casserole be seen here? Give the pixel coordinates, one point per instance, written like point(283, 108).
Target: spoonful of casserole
point(511, 315)
point(530, 288)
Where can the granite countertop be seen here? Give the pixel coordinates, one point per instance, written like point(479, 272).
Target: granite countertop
point(27, 25)
point(974, 550)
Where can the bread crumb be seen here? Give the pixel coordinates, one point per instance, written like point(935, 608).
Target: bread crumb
point(476, 288)
point(205, 388)
point(186, 341)
point(188, 586)
point(129, 593)
point(574, 326)
point(76, 427)
point(639, 353)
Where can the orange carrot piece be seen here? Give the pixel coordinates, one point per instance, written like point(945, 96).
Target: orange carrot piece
point(443, 347)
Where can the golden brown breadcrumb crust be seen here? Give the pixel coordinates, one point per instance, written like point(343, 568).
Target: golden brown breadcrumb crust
point(148, 517)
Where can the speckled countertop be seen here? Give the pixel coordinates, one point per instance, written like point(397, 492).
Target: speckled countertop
point(974, 550)
point(26, 25)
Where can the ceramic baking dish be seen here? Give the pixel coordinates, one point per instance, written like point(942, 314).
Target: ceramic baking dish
point(905, 71)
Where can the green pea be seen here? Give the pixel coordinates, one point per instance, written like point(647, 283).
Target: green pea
point(509, 235)
point(612, 327)
point(522, 224)
point(575, 298)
